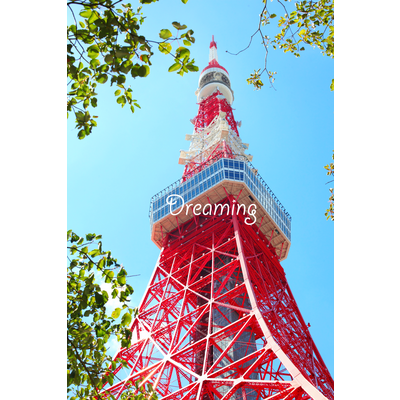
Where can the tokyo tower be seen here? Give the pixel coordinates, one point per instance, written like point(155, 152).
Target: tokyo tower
point(218, 320)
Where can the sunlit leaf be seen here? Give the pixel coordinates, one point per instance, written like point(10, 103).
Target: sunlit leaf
point(174, 67)
point(165, 34)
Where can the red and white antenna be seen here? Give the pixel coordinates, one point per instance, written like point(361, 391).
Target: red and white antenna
point(213, 50)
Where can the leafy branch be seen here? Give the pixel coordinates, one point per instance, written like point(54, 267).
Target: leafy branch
point(104, 45)
point(311, 23)
point(89, 324)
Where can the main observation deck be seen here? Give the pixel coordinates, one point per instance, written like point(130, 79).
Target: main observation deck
point(211, 184)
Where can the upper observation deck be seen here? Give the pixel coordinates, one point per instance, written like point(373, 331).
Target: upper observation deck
point(211, 185)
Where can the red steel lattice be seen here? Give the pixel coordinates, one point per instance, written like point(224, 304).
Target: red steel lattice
point(218, 321)
point(208, 157)
point(210, 107)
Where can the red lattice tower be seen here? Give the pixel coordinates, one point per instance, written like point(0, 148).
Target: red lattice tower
point(209, 110)
point(218, 320)
point(210, 107)
point(214, 98)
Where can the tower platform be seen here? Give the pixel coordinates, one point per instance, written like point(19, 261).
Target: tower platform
point(212, 185)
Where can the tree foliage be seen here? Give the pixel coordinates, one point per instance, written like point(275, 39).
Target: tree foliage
point(104, 45)
point(311, 23)
point(91, 326)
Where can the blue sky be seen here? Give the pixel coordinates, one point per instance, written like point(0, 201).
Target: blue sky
point(113, 173)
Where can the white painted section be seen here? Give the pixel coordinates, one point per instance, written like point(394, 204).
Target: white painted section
point(208, 89)
point(213, 54)
point(207, 137)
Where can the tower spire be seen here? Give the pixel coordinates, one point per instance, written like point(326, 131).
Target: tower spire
point(215, 132)
point(213, 51)
point(214, 76)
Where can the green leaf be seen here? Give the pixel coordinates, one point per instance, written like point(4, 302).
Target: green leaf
point(174, 67)
point(102, 78)
point(93, 17)
point(115, 313)
point(145, 58)
point(117, 92)
point(99, 299)
point(121, 100)
point(135, 70)
point(86, 13)
point(126, 319)
point(94, 63)
point(100, 264)
point(108, 276)
point(108, 59)
point(121, 280)
point(165, 48)
point(126, 66)
point(122, 52)
point(165, 34)
point(143, 71)
point(182, 52)
point(184, 1)
point(94, 253)
point(178, 26)
point(191, 67)
point(121, 79)
point(81, 134)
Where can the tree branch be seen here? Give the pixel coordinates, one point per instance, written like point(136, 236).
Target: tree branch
point(251, 37)
point(76, 353)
